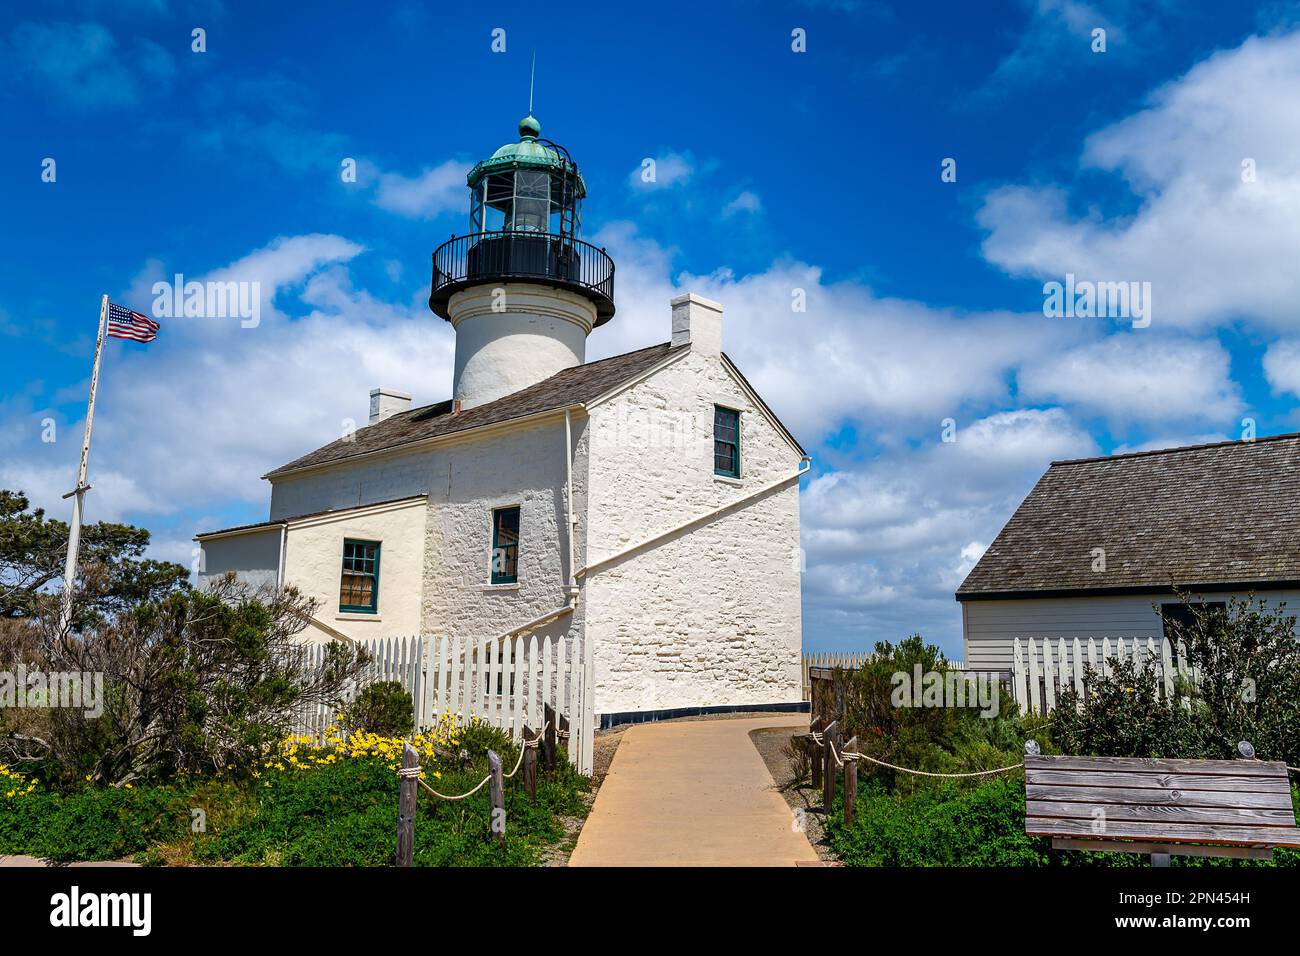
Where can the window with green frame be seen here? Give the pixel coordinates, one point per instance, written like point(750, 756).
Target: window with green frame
point(726, 442)
point(505, 545)
point(359, 585)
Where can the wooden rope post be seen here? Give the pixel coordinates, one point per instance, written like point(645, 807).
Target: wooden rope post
point(406, 807)
point(530, 763)
point(828, 766)
point(497, 797)
point(563, 734)
point(814, 757)
point(850, 783)
point(548, 743)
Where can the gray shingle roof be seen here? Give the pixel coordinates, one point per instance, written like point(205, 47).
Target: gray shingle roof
point(1227, 513)
point(576, 385)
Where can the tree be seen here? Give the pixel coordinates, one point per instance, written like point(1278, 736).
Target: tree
point(199, 682)
point(114, 574)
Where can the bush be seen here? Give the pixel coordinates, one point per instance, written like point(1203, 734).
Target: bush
point(1124, 716)
point(984, 826)
point(198, 682)
point(92, 824)
point(384, 708)
point(932, 738)
point(1248, 683)
point(331, 812)
point(940, 826)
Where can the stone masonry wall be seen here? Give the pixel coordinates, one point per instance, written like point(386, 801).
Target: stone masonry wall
point(711, 616)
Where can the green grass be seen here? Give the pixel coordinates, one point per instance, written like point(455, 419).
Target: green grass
point(339, 815)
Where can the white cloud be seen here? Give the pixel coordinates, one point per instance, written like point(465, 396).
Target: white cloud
point(197, 417)
point(1213, 246)
point(851, 355)
point(1161, 442)
point(1139, 377)
point(431, 193)
point(1282, 366)
point(114, 495)
point(746, 202)
point(83, 64)
point(668, 169)
point(1056, 30)
point(887, 543)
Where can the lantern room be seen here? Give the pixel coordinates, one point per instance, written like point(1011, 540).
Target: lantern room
point(527, 187)
point(525, 219)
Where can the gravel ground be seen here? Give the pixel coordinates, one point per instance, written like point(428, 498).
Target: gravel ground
point(799, 794)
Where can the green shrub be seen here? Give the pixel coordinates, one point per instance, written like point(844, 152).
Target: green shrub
point(1124, 716)
point(984, 826)
point(342, 813)
point(936, 739)
point(384, 708)
point(478, 737)
point(92, 824)
point(196, 682)
point(940, 826)
point(1248, 661)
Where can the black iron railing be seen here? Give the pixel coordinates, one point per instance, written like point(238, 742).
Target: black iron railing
point(566, 263)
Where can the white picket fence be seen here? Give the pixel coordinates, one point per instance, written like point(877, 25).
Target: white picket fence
point(505, 683)
point(1041, 670)
point(848, 660)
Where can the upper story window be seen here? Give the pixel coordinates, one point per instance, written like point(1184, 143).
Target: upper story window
point(505, 545)
point(359, 586)
point(726, 442)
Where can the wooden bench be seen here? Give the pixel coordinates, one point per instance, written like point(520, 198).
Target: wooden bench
point(1234, 808)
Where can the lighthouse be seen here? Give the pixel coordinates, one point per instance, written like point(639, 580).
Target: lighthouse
point(521, 289)
point(524, 518)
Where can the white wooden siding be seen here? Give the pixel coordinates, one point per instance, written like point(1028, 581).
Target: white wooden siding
point(990, 626)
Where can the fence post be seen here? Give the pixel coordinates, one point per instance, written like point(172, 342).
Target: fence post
point(406, 807)
point(850, 783)
point(497, 797)
point(814, 757)
point(828, 765)
point(548, 742)
point(530, 763)
point(562, 734)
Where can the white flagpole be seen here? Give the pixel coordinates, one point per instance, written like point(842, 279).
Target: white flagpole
point(77, 494)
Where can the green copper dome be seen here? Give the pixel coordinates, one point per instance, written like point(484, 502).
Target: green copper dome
point(528, 153)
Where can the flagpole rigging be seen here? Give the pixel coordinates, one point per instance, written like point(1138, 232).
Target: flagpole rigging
point(77, 494)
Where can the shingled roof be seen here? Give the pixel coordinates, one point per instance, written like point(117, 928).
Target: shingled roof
point(572, 386)
point(1223, 514)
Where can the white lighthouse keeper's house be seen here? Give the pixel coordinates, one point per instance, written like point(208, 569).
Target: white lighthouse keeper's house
point(645, 504)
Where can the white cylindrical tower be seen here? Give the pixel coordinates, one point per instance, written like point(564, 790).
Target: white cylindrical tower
point(522, 291)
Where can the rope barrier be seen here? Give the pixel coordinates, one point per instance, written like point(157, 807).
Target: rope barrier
point(443, 796)
point(410, 773)
point(852, 755)
point(820, 740)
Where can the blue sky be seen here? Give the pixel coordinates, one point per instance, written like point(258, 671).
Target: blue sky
point(777, 170)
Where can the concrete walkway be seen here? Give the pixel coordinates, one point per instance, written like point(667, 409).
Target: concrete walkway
point(692, 793)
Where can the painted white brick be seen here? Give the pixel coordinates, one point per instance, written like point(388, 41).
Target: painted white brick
point(708, 617)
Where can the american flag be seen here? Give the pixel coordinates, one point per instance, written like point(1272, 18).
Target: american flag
point(125, 324)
